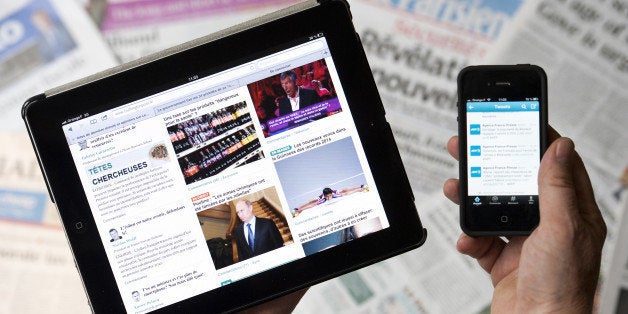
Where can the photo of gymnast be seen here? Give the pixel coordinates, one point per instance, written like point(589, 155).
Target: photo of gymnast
point(338, 178)
point(329, 195)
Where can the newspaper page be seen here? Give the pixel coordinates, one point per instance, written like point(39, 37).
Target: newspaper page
point(415, 50)
point(137, 28)
point(36, 265)
point(42, 45)
point(583, 47)
point(615, 287)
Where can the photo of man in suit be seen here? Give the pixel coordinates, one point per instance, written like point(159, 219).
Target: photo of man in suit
point(296, 97)
point(255, 235)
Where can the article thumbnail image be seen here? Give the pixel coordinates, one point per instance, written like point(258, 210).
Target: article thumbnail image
point(225, 225)
point(321, 176)
point(342, 236)
point(30, 37)
point(294, 98)
point(211, 143)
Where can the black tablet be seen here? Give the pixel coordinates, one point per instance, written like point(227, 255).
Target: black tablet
point(229, 170)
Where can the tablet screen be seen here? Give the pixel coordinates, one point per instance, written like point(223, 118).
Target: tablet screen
point(225, 176)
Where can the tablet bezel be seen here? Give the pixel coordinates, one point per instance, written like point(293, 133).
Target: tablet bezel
point(45, 113)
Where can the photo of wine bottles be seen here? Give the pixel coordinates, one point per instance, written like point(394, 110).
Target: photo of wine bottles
point(211, 143)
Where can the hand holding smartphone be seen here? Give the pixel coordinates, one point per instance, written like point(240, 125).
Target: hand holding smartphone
point(502, 129)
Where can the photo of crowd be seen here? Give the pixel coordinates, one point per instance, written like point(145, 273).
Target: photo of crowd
point(294, 97)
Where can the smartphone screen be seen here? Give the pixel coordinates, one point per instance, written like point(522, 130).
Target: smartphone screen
point(503, 151)
point(504, 126)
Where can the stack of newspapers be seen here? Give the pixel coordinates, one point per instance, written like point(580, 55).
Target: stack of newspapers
point(415, 50)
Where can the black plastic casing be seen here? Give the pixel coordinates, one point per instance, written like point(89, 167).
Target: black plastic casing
point(478, 82)
point(44, 115)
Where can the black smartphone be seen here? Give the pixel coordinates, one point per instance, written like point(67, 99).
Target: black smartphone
point(502, 129)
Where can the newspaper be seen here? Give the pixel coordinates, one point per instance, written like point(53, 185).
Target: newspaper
point(136, 28)
point(43, 45)
point(36, 265)
point(583, 47)
point(415, 50)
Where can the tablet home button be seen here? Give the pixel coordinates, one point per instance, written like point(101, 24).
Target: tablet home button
point(503, 219)
point(78, 225)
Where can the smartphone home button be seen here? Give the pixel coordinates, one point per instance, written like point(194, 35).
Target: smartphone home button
point(504, 219)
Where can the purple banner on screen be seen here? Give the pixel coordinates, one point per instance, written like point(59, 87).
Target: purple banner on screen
point(304, 116)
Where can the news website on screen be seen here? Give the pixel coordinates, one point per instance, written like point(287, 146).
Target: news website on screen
point(226, 176)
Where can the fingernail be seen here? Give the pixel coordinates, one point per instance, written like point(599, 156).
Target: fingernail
point(564, 149)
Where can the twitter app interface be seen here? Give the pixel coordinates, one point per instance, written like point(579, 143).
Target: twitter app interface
point(503, 149)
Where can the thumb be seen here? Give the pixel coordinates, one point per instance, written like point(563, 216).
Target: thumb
point(557, 192)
